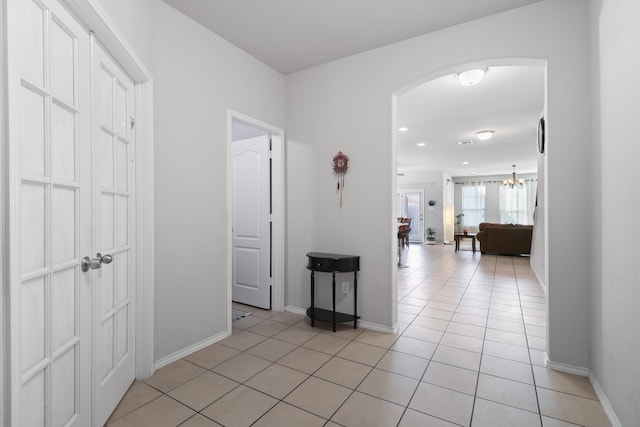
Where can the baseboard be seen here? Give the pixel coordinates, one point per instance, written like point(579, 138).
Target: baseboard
point(295, 310)
point(362, 323)
point(378, 327)
point(608, 409)
point(563, 367)
point(191, 349)
point(540, 281)
point(576, 370)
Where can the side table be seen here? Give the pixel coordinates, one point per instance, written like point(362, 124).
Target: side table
point(333, 263)
point(458, 236)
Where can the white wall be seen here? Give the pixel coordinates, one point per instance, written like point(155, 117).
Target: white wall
point(616, 200)
point(134, 20)
point(538, 239)
point(347, 105)
point(197, 77)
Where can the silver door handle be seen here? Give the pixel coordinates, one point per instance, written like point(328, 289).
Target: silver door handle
point(95, 263)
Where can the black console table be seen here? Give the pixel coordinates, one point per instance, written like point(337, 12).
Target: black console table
point(333, 263)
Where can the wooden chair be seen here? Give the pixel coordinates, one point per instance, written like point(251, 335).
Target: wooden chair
point(403, 231)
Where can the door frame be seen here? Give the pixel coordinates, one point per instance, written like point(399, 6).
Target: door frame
point(92, 16)
point(401, 193)
point(277, 214)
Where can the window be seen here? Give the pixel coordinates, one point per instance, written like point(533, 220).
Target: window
point(517, 204)
point(473, 205)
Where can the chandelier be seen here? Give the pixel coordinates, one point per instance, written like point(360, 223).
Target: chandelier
point(513, 182)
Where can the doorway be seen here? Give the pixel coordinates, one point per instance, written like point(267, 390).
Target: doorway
point(443, 119)
point(256, 214)
point(411, 205)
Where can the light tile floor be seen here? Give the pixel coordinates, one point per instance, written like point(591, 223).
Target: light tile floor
point(469, 352)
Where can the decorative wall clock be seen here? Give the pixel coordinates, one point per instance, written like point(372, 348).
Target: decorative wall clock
point(340, 166)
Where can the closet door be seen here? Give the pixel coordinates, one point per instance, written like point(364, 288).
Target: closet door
point(50, 215)
point(113, 283)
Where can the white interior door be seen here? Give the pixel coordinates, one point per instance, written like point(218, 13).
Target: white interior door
point(51, 219)
point(251, 235)
point(113, 284)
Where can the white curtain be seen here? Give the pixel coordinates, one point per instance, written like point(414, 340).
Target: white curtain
point(473, 205)
point(518, 204)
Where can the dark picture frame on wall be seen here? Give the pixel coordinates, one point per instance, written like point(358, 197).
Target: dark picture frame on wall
point(541, 135)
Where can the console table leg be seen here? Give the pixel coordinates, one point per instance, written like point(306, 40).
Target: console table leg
point(333, 314)
point(313, 315)
point(355, 299)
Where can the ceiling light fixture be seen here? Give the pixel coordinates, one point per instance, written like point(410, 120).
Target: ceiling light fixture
point(483, 135)
point(471, 77)
point(465, 163)
point(513, 182)
point(403, 129)
point(421, 144)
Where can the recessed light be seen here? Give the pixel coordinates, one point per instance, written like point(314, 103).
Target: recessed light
point(403, 129)
point(465, 163)
point(471, 77)
point(483, 135)
point(421, 144)
point(465, 142)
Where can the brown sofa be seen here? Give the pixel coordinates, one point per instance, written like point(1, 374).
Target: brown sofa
point(505, 239)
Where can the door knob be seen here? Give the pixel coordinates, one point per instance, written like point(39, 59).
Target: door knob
point(95, 263)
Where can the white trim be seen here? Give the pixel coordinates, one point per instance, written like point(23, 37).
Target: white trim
point(145, 256)
point(4, 277)
point(295, 310)
point(584, 372)
point(563, 367)
point(361, 323)
point(277, 217)
point(604, 401)
point(191, 349)
point(378, 327)
point(93, 16)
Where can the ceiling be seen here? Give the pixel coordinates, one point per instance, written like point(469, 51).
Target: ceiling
point(292, 35)
point(442, 112)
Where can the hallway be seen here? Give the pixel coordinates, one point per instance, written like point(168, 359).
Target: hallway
point(469, 352)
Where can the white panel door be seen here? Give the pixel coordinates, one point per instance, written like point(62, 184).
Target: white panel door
point(251, 235)
point(113, 284)
point(51, 193)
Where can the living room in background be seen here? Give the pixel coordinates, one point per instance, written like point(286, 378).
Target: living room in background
point(518, 204)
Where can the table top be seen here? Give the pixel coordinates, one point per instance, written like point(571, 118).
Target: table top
point(465, 235)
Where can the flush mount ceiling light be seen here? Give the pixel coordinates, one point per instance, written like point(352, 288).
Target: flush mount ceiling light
point(403, 129)
point(471, 77)
point(483, 135)
point(465, 163)
point(421, 144)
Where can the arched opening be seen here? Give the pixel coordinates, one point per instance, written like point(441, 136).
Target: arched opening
point(441, 147)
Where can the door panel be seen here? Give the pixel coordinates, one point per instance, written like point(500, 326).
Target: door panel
point(50, 114)
point(114, 140)
point(251, 230)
